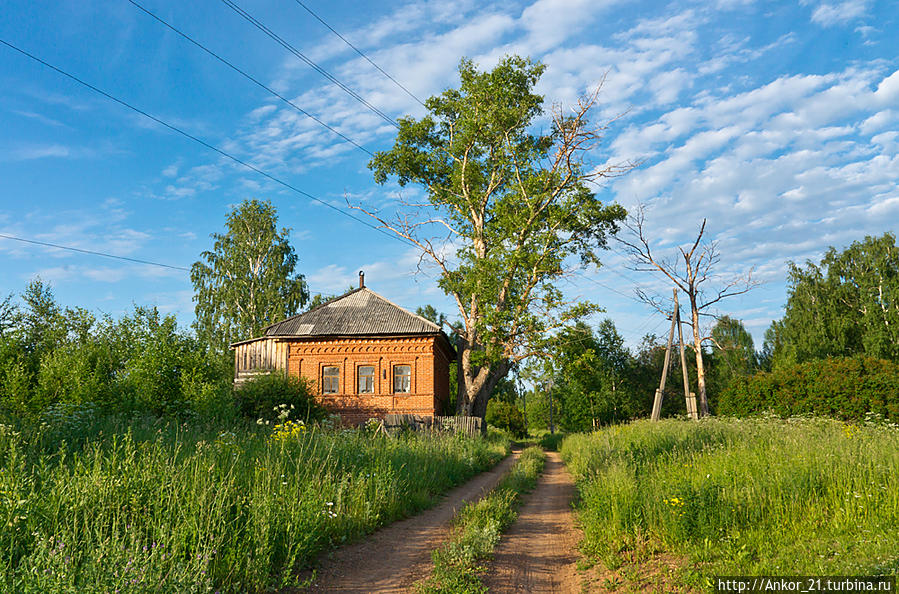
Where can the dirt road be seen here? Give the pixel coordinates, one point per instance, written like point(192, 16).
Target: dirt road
point(396, 556)
point(539, 552)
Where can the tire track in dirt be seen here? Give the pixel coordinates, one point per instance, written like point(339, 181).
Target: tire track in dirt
point(396, 556)
point(539, 552)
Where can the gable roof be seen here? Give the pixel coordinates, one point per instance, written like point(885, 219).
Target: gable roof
point(359, 312)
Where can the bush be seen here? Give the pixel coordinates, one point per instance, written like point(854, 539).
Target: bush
point(845, 388)
point(505, 415)
point(259, 398)
point(551, 441)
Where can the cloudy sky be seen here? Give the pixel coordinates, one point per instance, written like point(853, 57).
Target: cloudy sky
point(776, 121)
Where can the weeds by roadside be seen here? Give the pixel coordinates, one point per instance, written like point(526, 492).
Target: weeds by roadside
point(147, 505)
point(763, 496)
point(459, 563)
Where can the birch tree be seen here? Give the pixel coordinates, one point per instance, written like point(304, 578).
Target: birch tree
point(509, 206)
point(247, 280)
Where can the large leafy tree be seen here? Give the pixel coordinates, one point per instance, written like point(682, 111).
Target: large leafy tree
point(848, 304)
point(509, 205)
point(247, 280)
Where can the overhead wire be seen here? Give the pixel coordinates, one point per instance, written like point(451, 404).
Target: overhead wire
point(92, 252)
point(250, 77)
point(360, 52)
point(286, 45)
point(104, 254)
point(202, 142)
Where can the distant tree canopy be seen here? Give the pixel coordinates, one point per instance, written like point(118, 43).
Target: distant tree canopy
point(846, 305)
point(247, 281)
point(53, 356)
point(592, 377)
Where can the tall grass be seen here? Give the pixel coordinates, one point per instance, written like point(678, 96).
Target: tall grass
point(143, 507)
point(755, 496)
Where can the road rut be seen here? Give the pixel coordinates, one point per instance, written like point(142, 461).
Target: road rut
point(395, 557)
point(539, 552)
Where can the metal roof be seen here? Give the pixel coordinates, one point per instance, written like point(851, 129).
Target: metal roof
point(359, 312)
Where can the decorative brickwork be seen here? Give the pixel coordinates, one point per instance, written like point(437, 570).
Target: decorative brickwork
point(427, 357)
point(380, 358)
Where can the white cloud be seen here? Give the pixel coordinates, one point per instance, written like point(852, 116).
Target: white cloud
point(828, 14)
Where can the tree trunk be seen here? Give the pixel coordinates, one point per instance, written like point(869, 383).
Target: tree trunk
point(700, 368)
point(475, 384)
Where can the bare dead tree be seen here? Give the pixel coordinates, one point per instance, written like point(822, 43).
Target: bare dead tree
point(689, 270)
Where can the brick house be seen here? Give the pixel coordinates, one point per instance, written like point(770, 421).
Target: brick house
point(365, 356)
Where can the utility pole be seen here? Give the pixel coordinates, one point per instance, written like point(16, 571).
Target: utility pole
point(657, 401)
point(524, 402)
point(549, 390)
point(688, 395)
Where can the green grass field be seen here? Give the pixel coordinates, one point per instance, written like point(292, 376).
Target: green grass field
point(140, 506)
point(732, 497)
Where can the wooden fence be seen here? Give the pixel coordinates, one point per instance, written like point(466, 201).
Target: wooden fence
point(469, 425)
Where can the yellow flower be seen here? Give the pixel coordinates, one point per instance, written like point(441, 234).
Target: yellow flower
point(289, 430)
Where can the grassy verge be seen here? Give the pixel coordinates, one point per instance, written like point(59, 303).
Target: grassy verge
point(731, 497)
point(138, 506)
point(459, 563)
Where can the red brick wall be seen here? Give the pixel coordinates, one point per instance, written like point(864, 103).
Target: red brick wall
point(307, 357)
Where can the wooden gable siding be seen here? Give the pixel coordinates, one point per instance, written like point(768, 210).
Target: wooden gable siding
point(259, 356)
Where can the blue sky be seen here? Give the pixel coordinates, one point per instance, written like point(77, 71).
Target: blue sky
point(775, 120)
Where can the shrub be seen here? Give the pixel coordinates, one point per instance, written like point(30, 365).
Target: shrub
point(551, 441)
point(260, 397)
point(505, 415)
point(846, 388)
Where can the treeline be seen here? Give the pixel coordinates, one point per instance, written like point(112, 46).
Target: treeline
point(54, 356)
point(592, 379)
point(835, 352)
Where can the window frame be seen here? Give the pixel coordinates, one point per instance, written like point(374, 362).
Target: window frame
point(408, 378)
point(372, 377)
point(331, 378)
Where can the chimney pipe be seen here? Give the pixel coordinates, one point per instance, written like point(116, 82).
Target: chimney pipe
point(361, 279)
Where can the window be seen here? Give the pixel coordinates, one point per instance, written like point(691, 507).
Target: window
point(402, 379)
point(330, 380)
point(366, 375)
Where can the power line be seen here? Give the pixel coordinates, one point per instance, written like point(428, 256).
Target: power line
point(202, 142)
point(360, 52)
point(92, 252)
point(286, 45)
point(250, 77)
point(605, 286)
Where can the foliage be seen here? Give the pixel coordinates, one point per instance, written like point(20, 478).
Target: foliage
point(260, 397)
point(109, 504)
point(507, 416)
point(761, 496)
point(845, 388)
point(458, 564)
point(551, 441)
point(591, 373)
point(732, 355)
point(846, 305)
point(515, 201)
point(140, 362)
point(247, 280)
